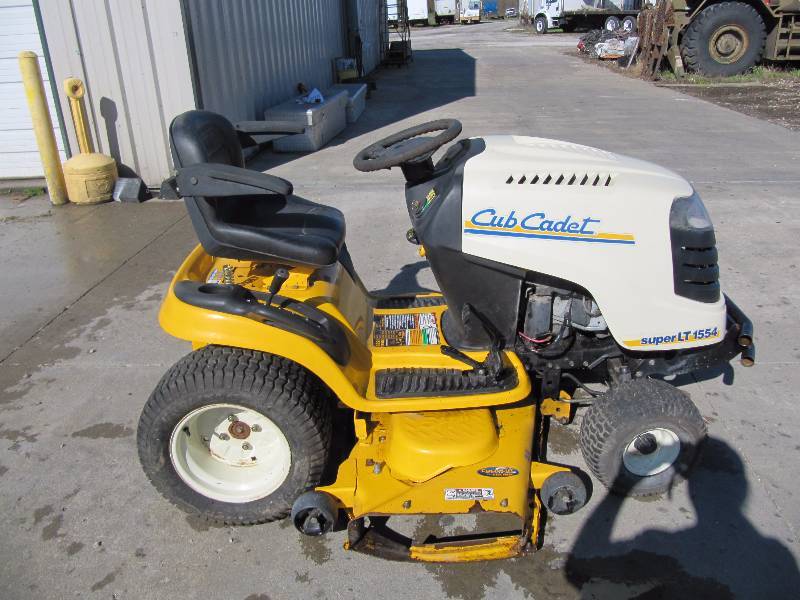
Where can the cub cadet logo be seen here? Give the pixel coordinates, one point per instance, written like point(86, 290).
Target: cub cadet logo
point(709, 333)
point(539, 225)
point(498, 471)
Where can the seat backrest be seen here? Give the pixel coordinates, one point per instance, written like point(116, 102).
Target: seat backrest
point(201, 136)
point(197, 137)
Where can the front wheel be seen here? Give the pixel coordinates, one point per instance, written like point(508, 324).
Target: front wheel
point(642, 437)
point(540, 24)
point(235, 435)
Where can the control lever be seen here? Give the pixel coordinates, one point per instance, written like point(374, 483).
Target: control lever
point(278, 279)
point(460, 356)
point(492, 365)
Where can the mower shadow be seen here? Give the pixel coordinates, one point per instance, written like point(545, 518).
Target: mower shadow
point(435, 78)
point(721, 555)
point(405, 281)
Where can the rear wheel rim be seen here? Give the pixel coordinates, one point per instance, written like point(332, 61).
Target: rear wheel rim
point(230, 453)
point(728, 44)
point(651, 452)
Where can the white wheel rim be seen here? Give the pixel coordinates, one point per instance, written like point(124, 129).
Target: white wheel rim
point(661, 449)
point(231, 453)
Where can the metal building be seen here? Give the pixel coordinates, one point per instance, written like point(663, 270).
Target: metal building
point(144, 61)
point(19, 157)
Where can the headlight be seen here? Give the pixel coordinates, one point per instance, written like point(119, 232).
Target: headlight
point(694, 251)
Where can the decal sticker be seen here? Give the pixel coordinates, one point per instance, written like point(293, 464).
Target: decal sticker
point(469, 494)
point(214, 276)
point(404, 329)
point(709, 333)
point(498, 471)
point(539, 225)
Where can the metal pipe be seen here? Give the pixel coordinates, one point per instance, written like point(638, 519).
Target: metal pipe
point(745, 338)
point(75, 91)
point(43, 126)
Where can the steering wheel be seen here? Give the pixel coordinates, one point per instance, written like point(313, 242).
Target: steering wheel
point(406, 145)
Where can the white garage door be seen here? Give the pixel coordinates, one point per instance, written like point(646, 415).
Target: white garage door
point(19, 157)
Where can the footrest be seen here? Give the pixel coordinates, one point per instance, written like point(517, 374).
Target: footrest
point(410, 383)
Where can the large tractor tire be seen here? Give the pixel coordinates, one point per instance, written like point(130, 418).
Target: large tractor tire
point(642, 437)
point(235, 436)
point(724, 39)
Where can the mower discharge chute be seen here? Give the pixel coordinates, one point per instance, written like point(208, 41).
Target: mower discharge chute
point(560, 266)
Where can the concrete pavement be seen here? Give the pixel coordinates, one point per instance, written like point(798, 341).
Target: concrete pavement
point(81, 350)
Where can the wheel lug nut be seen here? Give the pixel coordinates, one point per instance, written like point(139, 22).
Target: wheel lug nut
point(232, 418)
point(255, 428)
point(224, 437)
point(206, 439)
point(247, 446)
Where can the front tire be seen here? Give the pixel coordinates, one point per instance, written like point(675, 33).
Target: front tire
point(642, 437)
point(540, 25)
point(724, 39)
point(234, 435)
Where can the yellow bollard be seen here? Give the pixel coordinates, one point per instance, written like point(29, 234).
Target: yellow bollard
point(75, 91)
point(43, 126)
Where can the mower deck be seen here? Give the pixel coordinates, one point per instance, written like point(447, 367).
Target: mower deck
point(443, 463)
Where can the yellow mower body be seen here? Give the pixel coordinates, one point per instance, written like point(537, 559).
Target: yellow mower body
point(459, 454)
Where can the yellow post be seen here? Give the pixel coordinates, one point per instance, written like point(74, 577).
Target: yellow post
point(43, 126)
point(75, 91)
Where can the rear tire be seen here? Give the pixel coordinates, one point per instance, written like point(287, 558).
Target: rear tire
point(629, 24)
point(611, 23)
point(724, 39)
point(540, 25)
point(642, 437)
point(191, 459)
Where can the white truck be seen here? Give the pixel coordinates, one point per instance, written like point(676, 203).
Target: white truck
point(420, 12)
point(445, 11)
point(470, 11)
point(569, 14)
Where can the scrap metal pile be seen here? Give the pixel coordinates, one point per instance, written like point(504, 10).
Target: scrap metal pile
point(609, 45)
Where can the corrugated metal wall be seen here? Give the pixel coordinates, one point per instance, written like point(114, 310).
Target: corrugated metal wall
point(368, 19)
point(132, 55)
point(251, 54)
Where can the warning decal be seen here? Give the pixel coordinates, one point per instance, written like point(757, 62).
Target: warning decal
point(404, 329)
point(469, 494)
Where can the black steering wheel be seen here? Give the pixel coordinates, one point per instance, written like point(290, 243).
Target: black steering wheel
point(406, 145)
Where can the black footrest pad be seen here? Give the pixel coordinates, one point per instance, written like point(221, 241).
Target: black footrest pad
point(408, 383)
point(402, 302)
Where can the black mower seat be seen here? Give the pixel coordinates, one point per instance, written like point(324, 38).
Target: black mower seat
point(247, 215)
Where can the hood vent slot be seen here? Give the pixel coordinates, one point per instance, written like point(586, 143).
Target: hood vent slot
point(584, 179)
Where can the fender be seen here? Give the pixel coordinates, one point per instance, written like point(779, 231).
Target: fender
point(350, 382)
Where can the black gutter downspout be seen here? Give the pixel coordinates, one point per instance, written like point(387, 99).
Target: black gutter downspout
point(191, 51)
point(37, 11)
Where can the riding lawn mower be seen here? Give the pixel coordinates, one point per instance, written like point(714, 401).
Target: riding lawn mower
point(570, 278)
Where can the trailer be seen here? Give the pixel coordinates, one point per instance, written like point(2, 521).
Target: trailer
point(421, 12)
point(571, 14)
point(445, 11)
